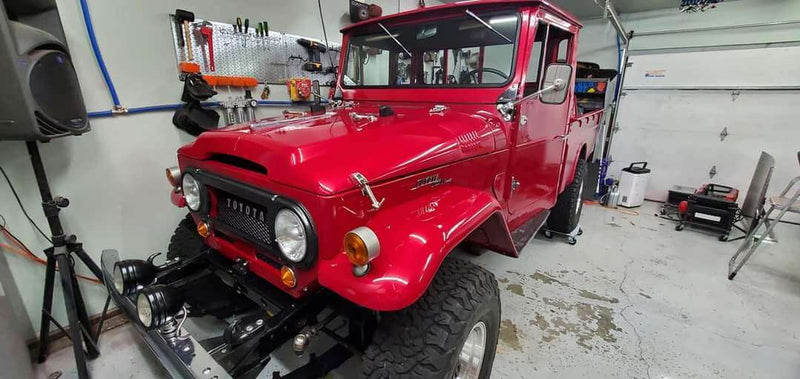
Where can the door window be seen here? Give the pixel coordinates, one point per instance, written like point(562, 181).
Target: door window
point(550, 45)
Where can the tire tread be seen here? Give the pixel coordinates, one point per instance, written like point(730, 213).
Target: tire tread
point(421, 341)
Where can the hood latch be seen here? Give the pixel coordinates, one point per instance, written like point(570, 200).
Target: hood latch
point(366, 190)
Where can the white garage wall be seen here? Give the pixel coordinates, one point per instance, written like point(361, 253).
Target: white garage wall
point(115, 174)
point(648, 111)
point(597, 40)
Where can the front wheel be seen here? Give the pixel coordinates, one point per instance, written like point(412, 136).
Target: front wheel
point(566, 213)
point(450, 332)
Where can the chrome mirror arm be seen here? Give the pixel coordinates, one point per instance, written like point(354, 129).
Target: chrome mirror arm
point(507, 108)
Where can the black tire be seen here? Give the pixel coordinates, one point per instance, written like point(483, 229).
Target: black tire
point(566, 213)
point(185, 241)
point(425, 339)
point(210, 296)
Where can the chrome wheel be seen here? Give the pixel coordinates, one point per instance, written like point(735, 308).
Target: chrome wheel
point(470, 359)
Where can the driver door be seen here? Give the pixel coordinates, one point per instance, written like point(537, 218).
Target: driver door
point(541, 135)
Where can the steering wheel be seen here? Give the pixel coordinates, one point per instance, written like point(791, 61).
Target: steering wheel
point(474, 73)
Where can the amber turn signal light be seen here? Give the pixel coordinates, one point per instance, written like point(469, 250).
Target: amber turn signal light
point(203, 229)
point(287, 277)
point(356, 249)
point(361, 245)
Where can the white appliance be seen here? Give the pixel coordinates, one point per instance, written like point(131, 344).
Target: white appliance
point(633, 184)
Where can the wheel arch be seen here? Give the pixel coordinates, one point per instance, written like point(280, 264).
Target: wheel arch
point(415, 238)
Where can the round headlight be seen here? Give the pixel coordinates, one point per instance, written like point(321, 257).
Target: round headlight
point(119, 281)
point(130, 274)
point(191, 192)
point(290, 234)
point(144, 310)
point(158, 304)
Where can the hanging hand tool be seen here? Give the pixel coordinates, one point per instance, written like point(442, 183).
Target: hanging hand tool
point(246, 30)
point(239, 24)
point(182, 20)
point(314, 49)
point(208, 38)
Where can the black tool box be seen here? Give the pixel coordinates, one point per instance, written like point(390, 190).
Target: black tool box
point(712, 206)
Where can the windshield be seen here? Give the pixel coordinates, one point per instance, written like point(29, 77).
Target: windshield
point(473, 50)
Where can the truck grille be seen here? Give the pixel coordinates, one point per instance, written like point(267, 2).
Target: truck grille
point(246, 218)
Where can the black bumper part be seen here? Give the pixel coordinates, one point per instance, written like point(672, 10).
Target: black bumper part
point(183, 359)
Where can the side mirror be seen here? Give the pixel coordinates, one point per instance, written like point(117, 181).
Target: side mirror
point(557, 76)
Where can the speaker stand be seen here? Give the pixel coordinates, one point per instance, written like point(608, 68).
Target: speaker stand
point(61, 255)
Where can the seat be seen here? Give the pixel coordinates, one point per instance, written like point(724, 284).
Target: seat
point(783, 203)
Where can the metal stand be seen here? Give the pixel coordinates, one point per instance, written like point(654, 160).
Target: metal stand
point(781, 203)
point(60, 255)
point(572, 237)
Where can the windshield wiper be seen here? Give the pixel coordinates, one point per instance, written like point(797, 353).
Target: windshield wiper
point(395, 39)
point(473, 15)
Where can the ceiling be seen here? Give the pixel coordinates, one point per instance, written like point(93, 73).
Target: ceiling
point(587, 9)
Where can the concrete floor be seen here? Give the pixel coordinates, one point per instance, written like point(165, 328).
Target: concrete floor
point(634, 299)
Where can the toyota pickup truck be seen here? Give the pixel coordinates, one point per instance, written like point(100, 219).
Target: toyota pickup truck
point(333, 232)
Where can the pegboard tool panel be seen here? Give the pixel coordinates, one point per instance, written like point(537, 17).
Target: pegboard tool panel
point(272, 59)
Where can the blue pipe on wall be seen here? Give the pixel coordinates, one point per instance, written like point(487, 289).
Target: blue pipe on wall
point(87, 19)
point(172, 107)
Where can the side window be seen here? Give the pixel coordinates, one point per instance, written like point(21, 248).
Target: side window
point(559, 43)
point(563, 49)
point(535, 62)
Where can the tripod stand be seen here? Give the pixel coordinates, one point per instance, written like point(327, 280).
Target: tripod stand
point(61, 255)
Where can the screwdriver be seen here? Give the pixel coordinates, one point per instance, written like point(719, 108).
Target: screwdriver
point(246, 30)
point(239, 24)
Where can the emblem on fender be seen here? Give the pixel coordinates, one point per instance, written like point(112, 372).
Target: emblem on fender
point(430, 180)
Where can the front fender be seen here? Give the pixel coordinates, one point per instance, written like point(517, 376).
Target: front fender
point(415, 237)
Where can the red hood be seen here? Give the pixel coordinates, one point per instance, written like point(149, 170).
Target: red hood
point(320, 153)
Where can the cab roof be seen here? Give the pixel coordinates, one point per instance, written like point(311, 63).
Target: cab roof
point(465, 4)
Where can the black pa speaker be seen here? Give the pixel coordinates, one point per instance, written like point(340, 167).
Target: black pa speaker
point(42, 98)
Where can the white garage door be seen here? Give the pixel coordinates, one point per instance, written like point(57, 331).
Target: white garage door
point(676, 106)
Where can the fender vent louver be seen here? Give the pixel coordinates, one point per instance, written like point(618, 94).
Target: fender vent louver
point(468, 140)
point(239, 162)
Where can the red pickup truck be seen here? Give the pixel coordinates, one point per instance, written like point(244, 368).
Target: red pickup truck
point(449, 125)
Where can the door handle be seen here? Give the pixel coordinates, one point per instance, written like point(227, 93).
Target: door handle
point(561, 137)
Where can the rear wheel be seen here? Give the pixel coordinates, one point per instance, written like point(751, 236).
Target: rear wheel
point(566, 213)
point(450, 332)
